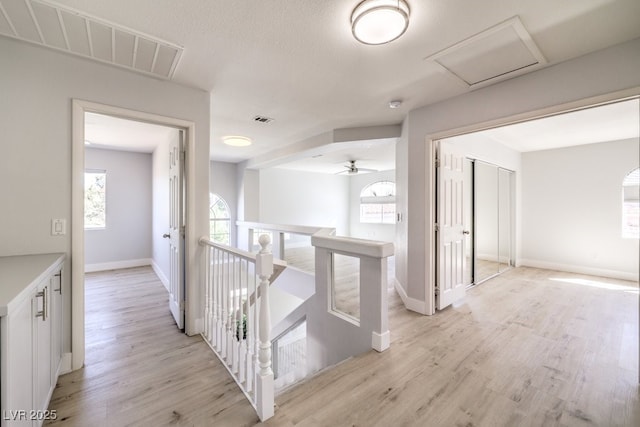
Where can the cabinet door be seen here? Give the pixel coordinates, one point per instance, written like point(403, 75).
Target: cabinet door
point(42, 346)
point(56, 325)
point(19, 373)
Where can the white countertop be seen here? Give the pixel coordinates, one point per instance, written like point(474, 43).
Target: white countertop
point(19, 273)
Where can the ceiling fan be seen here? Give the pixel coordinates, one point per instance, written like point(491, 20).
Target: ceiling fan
point(352, 169)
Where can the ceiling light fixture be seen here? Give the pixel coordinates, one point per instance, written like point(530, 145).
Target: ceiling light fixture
point(237, 141)
point(395, 104)
point(379, 21)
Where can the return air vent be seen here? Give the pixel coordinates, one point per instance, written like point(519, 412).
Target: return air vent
point(68, 30)
point(501, 52)
point(262, 119)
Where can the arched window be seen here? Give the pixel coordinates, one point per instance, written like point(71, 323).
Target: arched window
point(378, 203)
point(219, 220)
point(631, 205)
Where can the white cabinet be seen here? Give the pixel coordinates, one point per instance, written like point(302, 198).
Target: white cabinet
point(56, 326)
point(30, 336)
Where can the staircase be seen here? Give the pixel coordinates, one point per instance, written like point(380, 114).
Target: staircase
point(261, 312)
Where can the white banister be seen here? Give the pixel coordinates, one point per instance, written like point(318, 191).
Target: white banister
point(265, 385)
point(237, 319)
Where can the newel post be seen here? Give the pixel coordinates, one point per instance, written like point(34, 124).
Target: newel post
point(264, 382)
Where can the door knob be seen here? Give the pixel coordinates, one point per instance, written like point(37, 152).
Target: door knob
point(166, 236)
point(466, 232)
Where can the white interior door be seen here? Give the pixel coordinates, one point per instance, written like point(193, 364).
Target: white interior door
point(450, 253)
point(176, 230)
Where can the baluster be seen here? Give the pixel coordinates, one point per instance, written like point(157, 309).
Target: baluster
point(214, 285)
point(235, 342)
point(216, 298)
point(206, 292)
point(241, 327)
point(225, 312)
point(212, 297)
point(255, 337)
point(212, 300)
point(220, 304)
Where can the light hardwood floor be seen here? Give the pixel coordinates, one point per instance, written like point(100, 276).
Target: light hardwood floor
point(527, 348)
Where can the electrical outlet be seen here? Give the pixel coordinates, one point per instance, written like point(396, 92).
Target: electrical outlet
point(58, 227)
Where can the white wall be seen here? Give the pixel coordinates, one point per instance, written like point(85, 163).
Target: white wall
point(223, 181)
point(381, 232)
point(127, 235)
point(596, 74)
point(572, 209)
point(304, 198)
point(37, 88)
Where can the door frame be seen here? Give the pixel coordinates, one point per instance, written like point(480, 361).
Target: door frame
point(78, 109)
point(430, 240)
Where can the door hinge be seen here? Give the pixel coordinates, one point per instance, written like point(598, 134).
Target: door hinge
point(437, 163)
point(436, 227)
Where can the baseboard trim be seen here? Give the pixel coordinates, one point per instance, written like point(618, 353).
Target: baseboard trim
point(116, 265)
point(65, 364)
point(410, 303)
point(160, 274)
point(380, 342)
point(578, 269)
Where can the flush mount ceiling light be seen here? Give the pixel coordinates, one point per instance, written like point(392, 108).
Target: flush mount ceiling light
point(237, 141)
point(379, 21)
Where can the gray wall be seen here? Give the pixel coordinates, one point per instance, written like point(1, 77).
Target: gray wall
point(304, 198)
point(572, 209)
point(127, 235)
point(37, 88)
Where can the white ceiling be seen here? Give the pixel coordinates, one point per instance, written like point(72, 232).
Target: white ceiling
point(127, 135)
point(610, 122)
point(298, 63)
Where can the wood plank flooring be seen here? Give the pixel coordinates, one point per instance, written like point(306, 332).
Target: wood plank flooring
point(527, 348)
point(140, 370)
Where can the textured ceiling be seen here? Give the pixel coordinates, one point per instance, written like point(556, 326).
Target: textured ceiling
point(297, 62)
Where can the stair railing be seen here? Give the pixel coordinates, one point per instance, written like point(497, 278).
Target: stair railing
point(237, 321)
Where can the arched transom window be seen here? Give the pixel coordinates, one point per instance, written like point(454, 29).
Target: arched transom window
point(631, 205)
point(219, 220)
point(378, 203)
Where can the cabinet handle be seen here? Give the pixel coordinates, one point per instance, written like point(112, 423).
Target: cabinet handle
point(59, 276)
point(43, 312)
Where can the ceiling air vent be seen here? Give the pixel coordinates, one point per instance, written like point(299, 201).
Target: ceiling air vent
point(262, 119)
point(69, 30)
point(499, 53)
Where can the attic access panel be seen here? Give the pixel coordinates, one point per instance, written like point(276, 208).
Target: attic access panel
point(501, 52)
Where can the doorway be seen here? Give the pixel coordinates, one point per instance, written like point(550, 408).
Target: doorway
point(133, 193)
point(177, 273)
point(474, 221)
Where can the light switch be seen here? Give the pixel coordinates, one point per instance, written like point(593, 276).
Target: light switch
point(58, 227)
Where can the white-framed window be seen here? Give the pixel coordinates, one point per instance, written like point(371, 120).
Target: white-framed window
point(219, 220)
point(378, 203)
point(631, 205)
point(95, 199)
